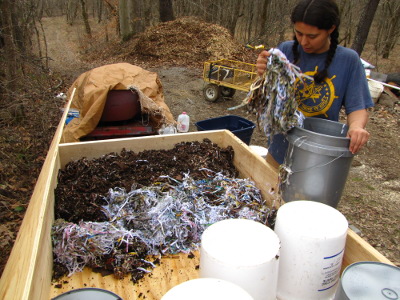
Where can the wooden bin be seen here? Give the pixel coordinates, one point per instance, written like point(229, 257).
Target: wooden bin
point(28, 272)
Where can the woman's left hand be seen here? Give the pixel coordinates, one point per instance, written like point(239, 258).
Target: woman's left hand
point(357, 133)
point(358, 138)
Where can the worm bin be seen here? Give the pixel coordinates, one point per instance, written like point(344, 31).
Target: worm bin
point(28, 273)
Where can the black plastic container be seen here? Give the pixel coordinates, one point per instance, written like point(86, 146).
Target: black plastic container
point(239, 126)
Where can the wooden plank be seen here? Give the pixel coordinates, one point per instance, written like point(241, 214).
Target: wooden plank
point(357, 249)
point(172, 271)
point(92, 149)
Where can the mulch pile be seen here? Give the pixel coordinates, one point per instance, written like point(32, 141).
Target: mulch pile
point(187, 41)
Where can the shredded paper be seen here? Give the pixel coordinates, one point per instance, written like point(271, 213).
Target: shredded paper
point(272, 96)
point(164, 218)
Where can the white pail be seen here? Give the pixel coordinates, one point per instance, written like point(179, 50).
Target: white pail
point(207, 289)
point(244, 252)
point(259, 150)
point(376, 89)
point(313, 237)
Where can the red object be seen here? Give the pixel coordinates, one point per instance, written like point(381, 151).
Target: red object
point(121, 105)
point(131, 129)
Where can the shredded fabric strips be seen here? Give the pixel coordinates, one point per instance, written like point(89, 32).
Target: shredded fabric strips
point(272, 96)
point(162, 219)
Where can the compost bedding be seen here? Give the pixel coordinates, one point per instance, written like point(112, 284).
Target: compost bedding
point(82, 184)
point(84, 188)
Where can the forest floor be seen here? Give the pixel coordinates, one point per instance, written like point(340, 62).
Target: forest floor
point(370, 201)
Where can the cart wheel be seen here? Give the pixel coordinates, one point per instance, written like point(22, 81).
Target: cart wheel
point(211, 92)
point(227, 92)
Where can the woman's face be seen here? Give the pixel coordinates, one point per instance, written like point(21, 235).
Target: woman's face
point(311, 38)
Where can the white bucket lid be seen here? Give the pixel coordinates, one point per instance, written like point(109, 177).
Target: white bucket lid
point(259, 150)
point(370, 280)
point(244, 252)
point(312, 219)
point(240, 242)
point(207, 289)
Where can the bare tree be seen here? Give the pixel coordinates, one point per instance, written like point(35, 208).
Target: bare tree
point(364, 25)
point(125, 25)
point(85, 18)
point(347, 13)
point(10, 49)
point(100, 10)
point(389, 27)
point(166, 10)
point(71, 11)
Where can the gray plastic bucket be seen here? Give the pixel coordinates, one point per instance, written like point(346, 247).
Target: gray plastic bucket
point(88, 294)
point(317, 162)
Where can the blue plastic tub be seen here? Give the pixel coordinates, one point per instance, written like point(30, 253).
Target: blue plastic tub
point(239, 126)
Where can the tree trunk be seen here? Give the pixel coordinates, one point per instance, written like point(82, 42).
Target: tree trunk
point(112, 9)
point(166, 11)
point(124, 24)
point(85, 18)
point(99, 10)
point(364, 25)
point(71, 11)
point(392, 31)
point(10, 50)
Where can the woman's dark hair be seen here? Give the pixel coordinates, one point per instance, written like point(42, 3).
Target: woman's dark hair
point(322, 14)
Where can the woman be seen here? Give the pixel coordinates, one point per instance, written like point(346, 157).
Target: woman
point(339, 77)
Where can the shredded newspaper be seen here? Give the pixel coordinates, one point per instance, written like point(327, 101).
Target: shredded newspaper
point(272, 96)
point(162, 219)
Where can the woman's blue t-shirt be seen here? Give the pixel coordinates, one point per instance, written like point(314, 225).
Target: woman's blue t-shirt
point(346, 86)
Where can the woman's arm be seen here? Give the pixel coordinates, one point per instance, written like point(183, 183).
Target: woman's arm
point(357, 120)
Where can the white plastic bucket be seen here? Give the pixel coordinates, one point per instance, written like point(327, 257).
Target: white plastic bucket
point(376, 89)
point(207, 289)
point(259, 150)
point(244, 252)
point(313, 237)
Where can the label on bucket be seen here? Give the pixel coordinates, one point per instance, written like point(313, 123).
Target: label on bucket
point(331, 267)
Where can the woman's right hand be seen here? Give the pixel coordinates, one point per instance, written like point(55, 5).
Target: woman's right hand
point(261, 64)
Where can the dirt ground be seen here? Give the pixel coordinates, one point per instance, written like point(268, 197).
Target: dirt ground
point(371, 200)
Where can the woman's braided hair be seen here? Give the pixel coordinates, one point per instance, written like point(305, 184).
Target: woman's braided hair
point(322, 14)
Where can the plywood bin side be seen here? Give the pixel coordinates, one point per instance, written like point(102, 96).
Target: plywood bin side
point(93, 149)
point(357, 249)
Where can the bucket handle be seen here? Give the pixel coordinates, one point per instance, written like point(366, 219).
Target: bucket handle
point(298, 142)
point(285, 170)
point(316, 166)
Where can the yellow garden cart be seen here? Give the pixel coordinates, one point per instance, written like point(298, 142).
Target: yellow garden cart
point(223, 77)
